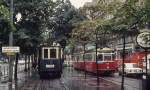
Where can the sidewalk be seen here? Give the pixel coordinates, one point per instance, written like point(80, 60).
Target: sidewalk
point(15, 85)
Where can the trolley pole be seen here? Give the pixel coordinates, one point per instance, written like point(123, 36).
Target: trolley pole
point(123, 58)
point(11, 43)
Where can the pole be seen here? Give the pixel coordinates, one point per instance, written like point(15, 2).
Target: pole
point(146, 69)
point(123, 56)
point(97, 71)
point(11, 43)
point(84, 60)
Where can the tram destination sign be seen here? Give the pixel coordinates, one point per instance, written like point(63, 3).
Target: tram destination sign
point(10, 49)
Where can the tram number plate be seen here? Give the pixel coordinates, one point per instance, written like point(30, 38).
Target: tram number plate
point(49, 66)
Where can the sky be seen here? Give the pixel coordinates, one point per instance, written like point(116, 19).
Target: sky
point(79, 3)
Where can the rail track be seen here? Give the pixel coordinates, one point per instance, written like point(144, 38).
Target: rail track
point(45, 84)
point(129, 83)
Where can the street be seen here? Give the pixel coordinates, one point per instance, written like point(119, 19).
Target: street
point(70, 80)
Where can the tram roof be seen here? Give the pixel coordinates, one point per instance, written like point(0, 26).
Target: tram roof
point(105, 50)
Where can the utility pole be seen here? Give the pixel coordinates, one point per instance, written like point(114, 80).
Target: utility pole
point(123, 57)
point(11, 42)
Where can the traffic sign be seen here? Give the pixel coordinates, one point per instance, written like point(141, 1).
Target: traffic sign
point(10, 49)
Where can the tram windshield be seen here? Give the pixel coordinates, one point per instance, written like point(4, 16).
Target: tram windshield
point(52, 53)
point(107, 58)
point(45, 53)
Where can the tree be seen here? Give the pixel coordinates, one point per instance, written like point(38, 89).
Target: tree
point(98, 19)
point(4, 22)
point(64, 20)
point(35, 18)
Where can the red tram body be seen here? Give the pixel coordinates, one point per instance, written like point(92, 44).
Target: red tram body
point(106, 63)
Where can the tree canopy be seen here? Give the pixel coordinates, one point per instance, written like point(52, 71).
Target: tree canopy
point(114, 17)
point(41, 21)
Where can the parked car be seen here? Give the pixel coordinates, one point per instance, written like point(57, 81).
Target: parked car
point(131, 69)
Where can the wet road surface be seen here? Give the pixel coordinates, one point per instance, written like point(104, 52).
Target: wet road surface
point(70, 80)
point(130, 83)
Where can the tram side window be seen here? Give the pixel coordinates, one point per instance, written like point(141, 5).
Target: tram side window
point(100, 57)
point(52, 53)
point(88, 57)
point(45, 53)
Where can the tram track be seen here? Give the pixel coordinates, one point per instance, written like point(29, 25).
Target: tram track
point(63, 84)
point(118, 82)
point(45, 84)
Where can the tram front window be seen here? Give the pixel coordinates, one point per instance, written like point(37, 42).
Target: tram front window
point(52, 53)
point(107, 58)
point(45, 53)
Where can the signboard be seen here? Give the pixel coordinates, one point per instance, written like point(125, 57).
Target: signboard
point(143, 39)
point(10, 49)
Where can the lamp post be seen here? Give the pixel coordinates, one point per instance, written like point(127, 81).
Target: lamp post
point(11, 42)
point(123, 59)
point(97, 72)
point(96, 52)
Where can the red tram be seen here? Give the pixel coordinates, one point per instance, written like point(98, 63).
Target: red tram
point(106, 63)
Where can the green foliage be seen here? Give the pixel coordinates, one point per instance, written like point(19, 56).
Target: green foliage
point(41, 16)
point(4, 12)
point(126, 17)
point(35, 19)
point(5, 25)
